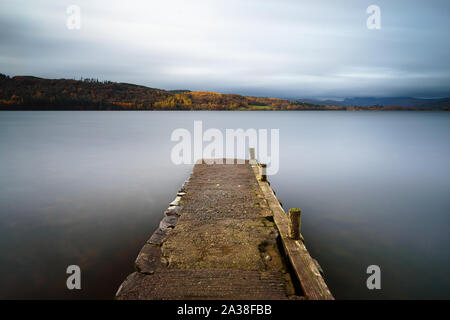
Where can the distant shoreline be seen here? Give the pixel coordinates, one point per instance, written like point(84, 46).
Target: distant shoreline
point(2, 108)
point(28, 93)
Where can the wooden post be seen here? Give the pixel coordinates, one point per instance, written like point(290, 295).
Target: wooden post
point(294, 223)
point(263, 172)
point(252, 155)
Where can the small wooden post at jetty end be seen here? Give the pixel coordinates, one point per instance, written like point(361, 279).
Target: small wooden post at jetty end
point(252, 156)
point(294, 223)
point(224, 237)
point(263, 175)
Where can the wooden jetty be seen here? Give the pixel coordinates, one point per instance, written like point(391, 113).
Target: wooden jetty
point(226, 236)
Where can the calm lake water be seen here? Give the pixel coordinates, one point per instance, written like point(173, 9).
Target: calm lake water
point(89, 188)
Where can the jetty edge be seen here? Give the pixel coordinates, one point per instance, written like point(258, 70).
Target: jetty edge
point(225, 236)
point(306, 270)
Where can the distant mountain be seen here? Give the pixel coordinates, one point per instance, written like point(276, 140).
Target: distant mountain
point(405, 102)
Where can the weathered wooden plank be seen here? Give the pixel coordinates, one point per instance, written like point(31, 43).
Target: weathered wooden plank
point(212, 284)
point(311, 281)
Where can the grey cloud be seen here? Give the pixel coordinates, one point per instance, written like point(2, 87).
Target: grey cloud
point(270, 48)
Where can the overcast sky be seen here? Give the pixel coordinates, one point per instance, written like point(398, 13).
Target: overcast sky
point(283, 48)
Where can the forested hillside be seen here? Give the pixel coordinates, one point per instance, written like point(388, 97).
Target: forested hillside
point(32, 93)
point(26, 92)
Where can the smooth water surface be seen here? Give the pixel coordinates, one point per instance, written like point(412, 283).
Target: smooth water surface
point(89, 188)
